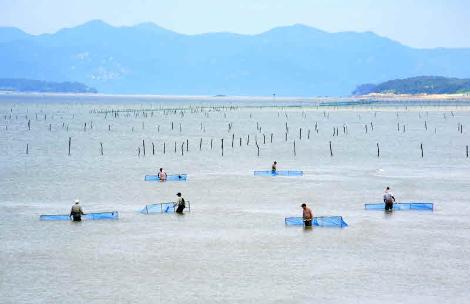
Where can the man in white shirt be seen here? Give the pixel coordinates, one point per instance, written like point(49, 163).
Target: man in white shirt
point(389, 199)
point(180, 204)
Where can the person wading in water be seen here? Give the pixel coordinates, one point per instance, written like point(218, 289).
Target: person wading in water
point(76, 212)
point(180, 204)
point(307, 215)
point(274, 167)
point(389, 199)
point(162, 175)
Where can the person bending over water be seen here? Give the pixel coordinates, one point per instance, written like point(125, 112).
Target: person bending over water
point(162, 175)
point(76, 212)
point(307, 215)
point(180, 204)
point(389, 199)
point(274, 167)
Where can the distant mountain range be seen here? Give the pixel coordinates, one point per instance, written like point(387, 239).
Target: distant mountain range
point(28, 85)
point(417, 85)
point(288, 61)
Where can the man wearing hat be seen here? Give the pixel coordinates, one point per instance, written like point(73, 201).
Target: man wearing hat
point(180, 203)
point(76, 212)
point(307, 215)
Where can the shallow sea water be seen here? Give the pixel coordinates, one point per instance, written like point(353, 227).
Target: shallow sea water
point(233, 246)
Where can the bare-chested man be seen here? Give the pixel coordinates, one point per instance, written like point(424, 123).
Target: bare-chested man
point(307, 215)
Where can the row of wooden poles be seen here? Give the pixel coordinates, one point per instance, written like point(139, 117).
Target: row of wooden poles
point(143, 150)
point(258, 126)
point(181, 111)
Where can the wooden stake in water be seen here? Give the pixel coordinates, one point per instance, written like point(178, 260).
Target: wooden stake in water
point(422, 152)
point(143, 146)
point(257, 148)
point(331, 150)
point(295, 152)
point(222, 146)
point(70, 144)
point(153, 148)
point(200, 144)
point(378, 150)
point(27, 149)
point(101, 148)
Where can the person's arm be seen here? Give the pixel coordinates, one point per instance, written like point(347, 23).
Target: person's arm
point(81, 211)
point(393, 197)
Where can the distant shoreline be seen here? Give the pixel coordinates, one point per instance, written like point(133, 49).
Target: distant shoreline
point(369, 97)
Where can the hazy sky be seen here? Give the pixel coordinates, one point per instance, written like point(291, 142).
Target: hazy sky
point(418, 23)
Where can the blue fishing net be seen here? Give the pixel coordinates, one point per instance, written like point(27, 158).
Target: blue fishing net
point(169, 207)
point(278, 173)
point(114, 215)
point(402, 206)
point(174, 177)
point(319, 221)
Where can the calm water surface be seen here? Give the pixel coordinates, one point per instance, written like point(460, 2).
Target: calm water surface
point(233, 246)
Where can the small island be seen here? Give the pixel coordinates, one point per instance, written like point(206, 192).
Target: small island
point(416, 85)
point(39, 86)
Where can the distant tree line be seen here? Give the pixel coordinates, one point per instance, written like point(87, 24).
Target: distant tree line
point(29, 85)
point(417, 85)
